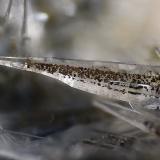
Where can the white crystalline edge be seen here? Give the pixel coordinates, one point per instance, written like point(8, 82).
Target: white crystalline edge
point(10, 64)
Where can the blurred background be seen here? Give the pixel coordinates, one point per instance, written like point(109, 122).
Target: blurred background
point(94, 29)
point(63, 119)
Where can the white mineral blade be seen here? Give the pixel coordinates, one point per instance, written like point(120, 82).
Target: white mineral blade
point(119, 76)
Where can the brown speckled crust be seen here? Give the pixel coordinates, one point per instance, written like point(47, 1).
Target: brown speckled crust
point(147, 84)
